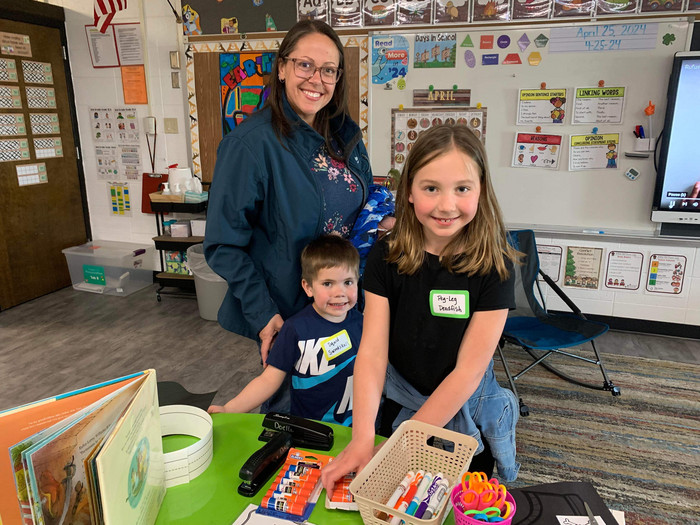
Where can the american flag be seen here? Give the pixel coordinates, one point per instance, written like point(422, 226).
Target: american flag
point(105, 11)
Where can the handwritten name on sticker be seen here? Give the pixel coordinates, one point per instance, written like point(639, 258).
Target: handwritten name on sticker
point(336, 345)
point(449, 303)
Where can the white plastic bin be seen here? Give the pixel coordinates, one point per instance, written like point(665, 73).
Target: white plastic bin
point(109, 267)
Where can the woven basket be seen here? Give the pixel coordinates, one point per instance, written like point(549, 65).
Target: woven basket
point(408, 449)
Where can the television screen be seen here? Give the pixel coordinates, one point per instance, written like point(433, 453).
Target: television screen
point(677, 192)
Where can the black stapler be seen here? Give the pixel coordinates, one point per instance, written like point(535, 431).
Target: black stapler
point(264, 462)
point(305, 433)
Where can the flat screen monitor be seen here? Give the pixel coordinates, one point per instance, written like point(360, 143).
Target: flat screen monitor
point(677, 192)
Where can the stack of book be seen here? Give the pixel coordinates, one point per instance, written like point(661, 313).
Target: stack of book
point(91, 456)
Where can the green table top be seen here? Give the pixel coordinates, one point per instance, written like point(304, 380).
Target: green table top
point(213, 499)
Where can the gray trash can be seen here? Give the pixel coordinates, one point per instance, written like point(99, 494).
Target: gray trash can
point(210, 287)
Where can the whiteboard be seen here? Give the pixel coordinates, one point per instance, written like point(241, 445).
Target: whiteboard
point(579, 56)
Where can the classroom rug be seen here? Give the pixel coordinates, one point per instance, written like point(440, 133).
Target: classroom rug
point(641, 450)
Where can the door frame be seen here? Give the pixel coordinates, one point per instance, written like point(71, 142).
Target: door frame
point(48, 15)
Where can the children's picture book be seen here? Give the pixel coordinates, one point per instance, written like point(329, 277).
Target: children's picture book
point(90, 456)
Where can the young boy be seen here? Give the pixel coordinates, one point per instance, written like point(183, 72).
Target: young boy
point(318, 345)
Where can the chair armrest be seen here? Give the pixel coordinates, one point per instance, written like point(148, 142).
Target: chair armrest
point(575, 309)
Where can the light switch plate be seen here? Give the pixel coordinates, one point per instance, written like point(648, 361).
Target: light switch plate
point(170, 125)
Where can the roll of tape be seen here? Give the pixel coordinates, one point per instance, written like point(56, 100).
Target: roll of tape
point(184, 465)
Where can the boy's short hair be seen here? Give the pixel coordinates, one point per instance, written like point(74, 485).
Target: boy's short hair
point(328, 251)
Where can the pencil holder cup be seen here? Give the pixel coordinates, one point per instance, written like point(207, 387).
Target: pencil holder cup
point(644, 144)
point(410, 448)
point(463, 519)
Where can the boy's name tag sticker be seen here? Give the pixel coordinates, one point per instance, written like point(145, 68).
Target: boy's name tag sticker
point(336, 345)
point(449, 303)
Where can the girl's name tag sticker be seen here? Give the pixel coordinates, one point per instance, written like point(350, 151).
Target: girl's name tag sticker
point(336, 345)
point(449, 303)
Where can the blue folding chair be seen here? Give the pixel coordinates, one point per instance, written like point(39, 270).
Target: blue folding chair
point(542, 333)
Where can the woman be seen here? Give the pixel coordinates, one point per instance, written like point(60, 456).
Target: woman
point(290, 172)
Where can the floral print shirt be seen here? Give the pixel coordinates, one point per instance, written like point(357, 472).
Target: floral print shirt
point(341, 193)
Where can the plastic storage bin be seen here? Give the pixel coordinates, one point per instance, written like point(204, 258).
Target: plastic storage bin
point(462, 519)
point(408, 449)
point(109, 267)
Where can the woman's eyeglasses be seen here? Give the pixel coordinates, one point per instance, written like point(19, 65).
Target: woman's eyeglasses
point(306, 69)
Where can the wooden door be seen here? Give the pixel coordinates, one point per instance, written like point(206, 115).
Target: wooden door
point(42, 198)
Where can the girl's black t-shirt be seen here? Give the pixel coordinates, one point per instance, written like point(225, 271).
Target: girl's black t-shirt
point(430, 311)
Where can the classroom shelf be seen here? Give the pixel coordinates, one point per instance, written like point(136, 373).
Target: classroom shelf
point(184, 284)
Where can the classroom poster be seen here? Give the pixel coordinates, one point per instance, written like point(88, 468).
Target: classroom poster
point(44, 123)
point(48, 147)
point(40, 97)
point(408, 123)
point(134, 84)
point(490, 10)
point(541, 106)
point(12, 124)
point(316, 10)
point(129, 43)
point(346, 13)
point(119, 198)
point(15, 44)
point(36, 72)
point(116, 134)
point(661, 6)
point(10, 97)
point(102, 47)
point(389, 58)
point(594, 151)
point(243, 78)
point(14, 149)
point(616, 7)
point(526, 9)
point(550, 260)
point(599, 105)
point(666, 273)
point(107, 165)
point(28, 174)
point(414, 12)
point(435, 50)
point(566, 8)
point(451, 11)
point(624, 270)
point(8, 70)
point(536, 150)
point(379, 12)
point(582, 268)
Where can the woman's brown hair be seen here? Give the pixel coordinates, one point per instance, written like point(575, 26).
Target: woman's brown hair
point(481, 246)
point(338, 106)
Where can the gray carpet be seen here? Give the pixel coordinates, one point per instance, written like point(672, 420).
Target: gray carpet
point(640, 450)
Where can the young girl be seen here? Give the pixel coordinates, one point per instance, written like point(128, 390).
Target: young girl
point(437, 292)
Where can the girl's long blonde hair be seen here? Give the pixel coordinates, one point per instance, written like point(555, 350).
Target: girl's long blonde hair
point(482, 245)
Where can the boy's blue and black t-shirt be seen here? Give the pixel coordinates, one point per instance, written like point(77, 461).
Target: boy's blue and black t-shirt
point(321, 379)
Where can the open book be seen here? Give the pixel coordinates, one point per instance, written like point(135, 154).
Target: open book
point(91, 456)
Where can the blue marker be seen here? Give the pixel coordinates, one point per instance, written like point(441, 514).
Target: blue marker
point(599, 232)
point(429, 494)
point(422, 489)
point(641, 132)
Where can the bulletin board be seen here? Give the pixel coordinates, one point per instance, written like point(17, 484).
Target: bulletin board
point(210, 111)
point(636, 56)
